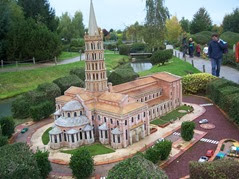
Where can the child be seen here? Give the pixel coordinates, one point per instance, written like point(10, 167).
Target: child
point(198, 50)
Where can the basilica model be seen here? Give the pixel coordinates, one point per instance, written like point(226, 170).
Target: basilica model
point(114, 115)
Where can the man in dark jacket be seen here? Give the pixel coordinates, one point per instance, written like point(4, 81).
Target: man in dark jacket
point(215, 52)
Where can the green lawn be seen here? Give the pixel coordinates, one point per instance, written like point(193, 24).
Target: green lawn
point(67, 55)
point(45, 137)
point(175, 66)
point(94, 149)
point(171, 116)
point(15, 83)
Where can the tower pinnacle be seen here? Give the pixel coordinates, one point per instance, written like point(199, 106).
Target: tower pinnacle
point(93, 28)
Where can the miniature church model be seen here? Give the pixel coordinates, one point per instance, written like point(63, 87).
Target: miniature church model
point(112, 115)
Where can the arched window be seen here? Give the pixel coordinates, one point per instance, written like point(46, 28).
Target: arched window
point(105, 119)
point(91, 46)
point(138, 117)
point(68, 114)
point(125, 122)
point(132, 119)
point(117, 123)
point(126, 135)
point(75, 114)
point(111, 121)
point(80, 113)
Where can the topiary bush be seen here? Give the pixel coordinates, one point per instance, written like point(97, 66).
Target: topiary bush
point(20, 107)
point(80, 72)
point(17, 161)
point(7, 126)
point(42, 110)
point(196, 83)
point(35, 97)
point(51, 90)
point(152, 155)
point(187, 130)
point(81, 164)
point(43, 163)
point(223, 168)
point(134, 168)
point(161, 56)
point(203, 37)
point(124, 49)
point(66, 82)
point(230, 37)
point(164, 149)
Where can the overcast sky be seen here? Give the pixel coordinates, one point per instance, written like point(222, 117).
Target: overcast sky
point(118, 14)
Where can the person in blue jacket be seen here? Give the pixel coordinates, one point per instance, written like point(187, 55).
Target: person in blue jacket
point(215, 53)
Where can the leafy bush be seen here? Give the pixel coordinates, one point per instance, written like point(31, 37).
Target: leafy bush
point(51, 90)
point(230, 59)
point(42, 110)
point(80, 72)
point(187, 130)
point(152, 155)
point(17, 161)
point(35, 97)
point(43, 163)
point(134, 168)
point(223, 168)
point(3, 140)
point(196, 83)
point(66, 82)
point(20, 107)
point(161, 56)
point(124, 49)
point(138, 47)
point(111, 47)
point(164, 149)
point(81, 164)
point(203, 37)
point(230, 37)
point(7, 126)
point(122, 75)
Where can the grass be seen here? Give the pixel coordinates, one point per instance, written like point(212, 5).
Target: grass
point(175, 66)
point(67, 55)
point(15, 83)
point(171, 116)
point(45, 137)
point(94, 149)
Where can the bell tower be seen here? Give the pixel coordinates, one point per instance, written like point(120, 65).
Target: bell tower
point(95, 70)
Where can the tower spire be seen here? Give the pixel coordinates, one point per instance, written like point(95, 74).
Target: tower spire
point(93, 28)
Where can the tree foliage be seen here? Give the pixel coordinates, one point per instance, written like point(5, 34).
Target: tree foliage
point(7, 126)
point(185, 24)
point(3, 140)
point(51, 90)
point(161, 56)
point(174, 29)
point(43, 163)
point(134, 168)
point(42, 110)
point(231, 21)
point(187, 130)
point(201, 21)
point(17, 161)
point(81, 164)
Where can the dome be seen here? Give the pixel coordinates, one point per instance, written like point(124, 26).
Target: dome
point(72, 106)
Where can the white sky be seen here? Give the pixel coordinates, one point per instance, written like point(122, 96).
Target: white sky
point(118, 14)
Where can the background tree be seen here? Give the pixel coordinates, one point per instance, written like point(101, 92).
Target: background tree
point(134, 32)
point(43, 163)
point(231, 21)
point(81, 164)
point(174, 29)
point(201, 21)
point(217, 29)
point(77, 25)
point(187, 130)
point(185, 24)
point(7, 126)
point(156, 16)
point(136, 167)
point(65, 29)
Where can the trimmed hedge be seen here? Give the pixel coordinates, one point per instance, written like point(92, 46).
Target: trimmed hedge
point(80, 72)
point(20, 107)
point(42, 110)
point(203, 37)
point(196, 83)
point(35, 97)
point(66, 82)
point(161, 56)
point(7, 126)
point(51, 90)
point(187, 130)
point(230, 37)
point(124, 49)
point(223, 168)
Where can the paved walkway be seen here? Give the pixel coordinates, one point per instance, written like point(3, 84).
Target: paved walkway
point(226, 72)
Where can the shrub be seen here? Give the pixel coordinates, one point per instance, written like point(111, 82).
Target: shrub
point(120, 76)
point(161, 56)
point(152, 155)
point(43, 163)
point(187, 130)
point(20, 107)
point(203, 37)
point(42, 110)
point(138, 47)
point(35, 97)
point(80, 72)
point(7, 126)
point(223, 168)
point(17, 161)
point(111, 47)
point(230, 37)
point(164, 149)
point(196, 83)
point(81, 164)
point(124, 49)
point(51, 90)
point(66, 82)
point(3, 140)
point(136, 167)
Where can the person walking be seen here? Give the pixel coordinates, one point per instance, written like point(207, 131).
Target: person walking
point(191, 47)
point(198, 50)
point(184, 45)
point(215, 52)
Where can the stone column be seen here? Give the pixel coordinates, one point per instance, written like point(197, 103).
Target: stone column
point(137, 135)
point(92, 134)
point(88, 136)
point(142, 132)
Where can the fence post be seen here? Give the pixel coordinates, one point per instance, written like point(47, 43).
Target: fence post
point(175, 53)
point(179, 55)
point(2, 63)
point(34, 61)
point(192, 63)
point(55, 61)
point(203, 67)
